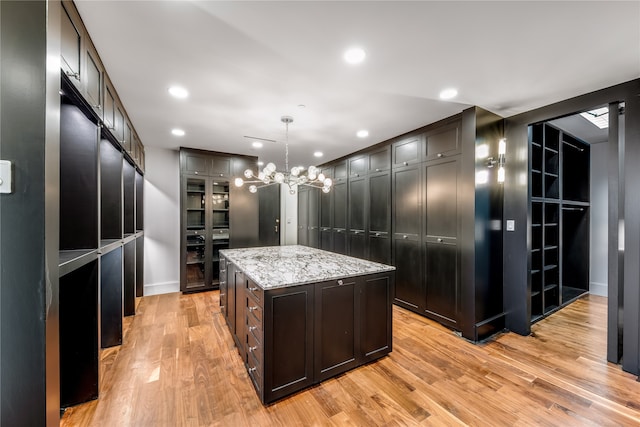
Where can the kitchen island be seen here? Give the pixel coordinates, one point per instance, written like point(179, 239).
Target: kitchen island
point(301, 315)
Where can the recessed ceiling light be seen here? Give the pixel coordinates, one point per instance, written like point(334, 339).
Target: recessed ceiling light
point(177, 132)
point(362, 133)
point(178, 92)
point(449, 93)
point(318, 154)
point(355, 55)
point(256, 144)
point(260, 163)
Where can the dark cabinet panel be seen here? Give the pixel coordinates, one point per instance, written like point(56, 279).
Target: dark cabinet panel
point(357, 244)
point(356, 202)
point(109, 114)
point(129, 189)
point(358, 165)
point(336, 327)
point(313, 222)
point(407, 151)
point(326, 239)
point(93, 79)
point(326, 209)
point(443, 141)
point(288, 347)
point(221, 166)
point(406, 200)
point(380, 247)
point(269, 219)
point(340, 171)
point(380, 160)
point(441, 202)
point(340, 205)
point(379, 191)
point(375, 316)
point(139, 202)
point(70, 43)
point(340, 241)
point(194, 163)
point(139, 266)
point(303, 216)
point(442, 280)
point(409, 289)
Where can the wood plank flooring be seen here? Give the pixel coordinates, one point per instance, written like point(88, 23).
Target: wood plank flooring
point(178, 367)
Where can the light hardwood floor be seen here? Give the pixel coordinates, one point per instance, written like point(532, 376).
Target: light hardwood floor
point(178, 367)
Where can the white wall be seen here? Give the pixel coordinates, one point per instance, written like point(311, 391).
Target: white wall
point(161, 221)
point(599, 221)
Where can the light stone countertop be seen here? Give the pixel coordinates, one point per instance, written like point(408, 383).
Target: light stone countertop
point(281, 266)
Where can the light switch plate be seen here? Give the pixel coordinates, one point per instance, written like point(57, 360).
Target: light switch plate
point(6, 178)
point(511, 225)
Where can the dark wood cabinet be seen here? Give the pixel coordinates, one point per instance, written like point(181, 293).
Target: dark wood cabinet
point(295, 336)
point(340, 210)
point(303, 216)
point(444, 141)
point(337, 327)
point(380, 160)
point(407, 151)
point(71, 43)
point(215, 215)
point(93, 78)
point(357, 217)
point(358, 165)
point(313, 222)
point(379, 216)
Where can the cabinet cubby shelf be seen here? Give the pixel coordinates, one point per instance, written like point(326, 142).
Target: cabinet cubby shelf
point(551, 224)
point(535, 144)
point(195, 209)
point(550, 287)
point(552, 150)
point(195, 262)
point(550, 267)
point(548, 248)
point(555, 175)
point(535, 294)
point(221, 210)
point(536, 171)
point(535, 271)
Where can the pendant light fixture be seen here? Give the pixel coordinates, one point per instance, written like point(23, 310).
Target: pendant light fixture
point(298, 175)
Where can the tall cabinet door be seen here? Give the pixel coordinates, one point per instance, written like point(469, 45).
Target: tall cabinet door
point(326, 223)
point(303, 216)
point(379, 212)
point(194, 242)
point(406, 237)
point(340, 217)
point(356, 212)
point(441, 252)
point(313, 221)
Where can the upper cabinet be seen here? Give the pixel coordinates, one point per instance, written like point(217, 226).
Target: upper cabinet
point(71, 43)
point(443, 141)
point(80, 62)
point(407, 151)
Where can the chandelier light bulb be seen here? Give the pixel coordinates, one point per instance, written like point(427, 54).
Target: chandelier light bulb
point(328, 182)
point(279, 177)
point(239, 182)
point(270, 168)
point(295, 171)
point(326, 189)
point(261, 176)
point(248, 173)
point(321, 177)
point(253, 188)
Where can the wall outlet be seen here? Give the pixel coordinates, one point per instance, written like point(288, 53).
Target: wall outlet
point(511, 225)
point(6, 177)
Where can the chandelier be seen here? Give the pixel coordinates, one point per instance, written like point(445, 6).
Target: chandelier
point(298, 175)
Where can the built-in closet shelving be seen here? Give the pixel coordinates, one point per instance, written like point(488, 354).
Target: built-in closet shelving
point(101, 213)
point(559, 211)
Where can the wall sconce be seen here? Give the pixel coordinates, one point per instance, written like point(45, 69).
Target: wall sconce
point(500, 161)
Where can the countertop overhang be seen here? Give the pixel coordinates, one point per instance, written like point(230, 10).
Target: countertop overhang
point(281, 266)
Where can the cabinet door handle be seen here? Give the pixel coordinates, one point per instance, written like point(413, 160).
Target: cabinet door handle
point(405, 237)
point(377, 234)
point(276, 228)
point(377, 169)
point(439, 240)
point(196, 172)
point(440, 155)
point(405, 163)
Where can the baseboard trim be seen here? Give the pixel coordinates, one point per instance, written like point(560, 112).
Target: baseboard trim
point(161, 288)
point(598, 289)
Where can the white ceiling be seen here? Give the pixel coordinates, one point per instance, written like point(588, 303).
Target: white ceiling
point(246, 64)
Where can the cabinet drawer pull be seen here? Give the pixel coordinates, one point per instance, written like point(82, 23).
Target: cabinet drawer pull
point(222, 295)
point(252, 328)
point(340, 282)
point(440, 155)
point(252, 369)
point(196, 172)
point(405, 237)
point(253, 289)
point(405, 163)
point(253, 308)
point(439, 240)
point(377, 234)
point(253, 348)
point(377, 169)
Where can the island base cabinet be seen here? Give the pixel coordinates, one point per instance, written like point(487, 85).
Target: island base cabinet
point(298, 336)
point(288, 342)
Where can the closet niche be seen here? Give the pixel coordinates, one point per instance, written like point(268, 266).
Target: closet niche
point(559, 176)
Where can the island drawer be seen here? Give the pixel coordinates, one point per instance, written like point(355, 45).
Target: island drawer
point(255, 373)
point(254, 310)
point(254, 348)
point(255, 291)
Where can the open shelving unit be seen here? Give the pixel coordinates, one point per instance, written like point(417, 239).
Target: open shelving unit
point(559, 220)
